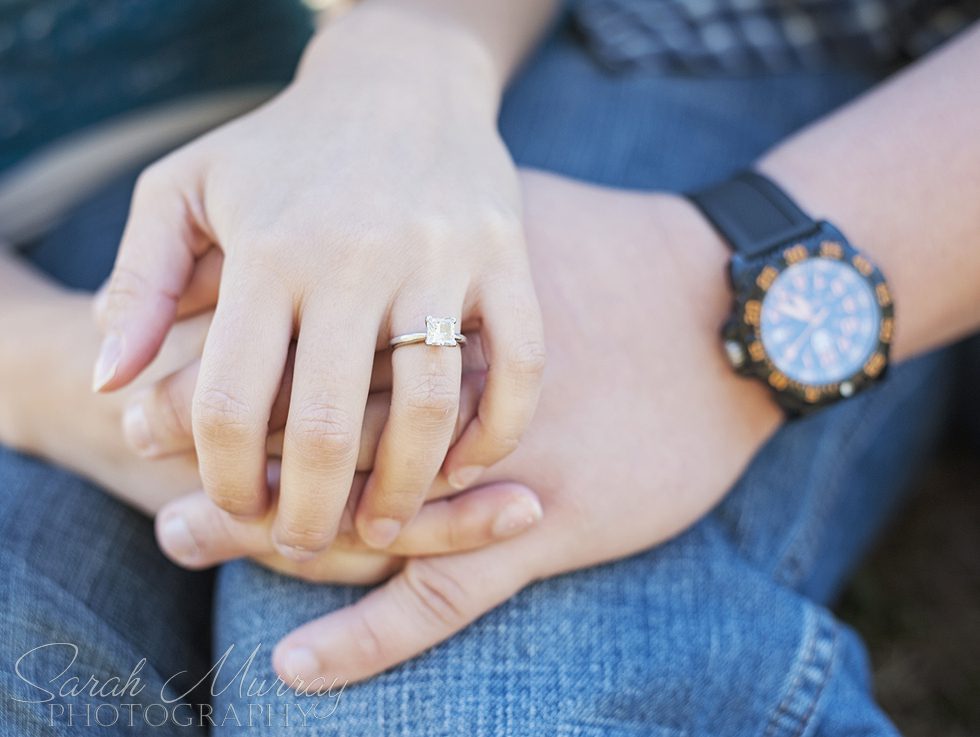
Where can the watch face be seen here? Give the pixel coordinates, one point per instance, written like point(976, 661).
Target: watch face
point(819, 321)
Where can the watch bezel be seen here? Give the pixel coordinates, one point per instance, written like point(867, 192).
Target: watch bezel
point(752, 281)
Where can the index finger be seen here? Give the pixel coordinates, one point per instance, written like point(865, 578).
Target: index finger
point(160, 245)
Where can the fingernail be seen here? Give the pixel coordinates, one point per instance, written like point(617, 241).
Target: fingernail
point(381, 532)
point(107, 363)
point(518, 516)
point(136, 428)
point(177, 540)
point(301, 663)
point(294, 552)
point(463, 478)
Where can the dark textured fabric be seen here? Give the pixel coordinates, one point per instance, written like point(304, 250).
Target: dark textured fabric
point(738, 36)
point(85, 593)
point(67, 64)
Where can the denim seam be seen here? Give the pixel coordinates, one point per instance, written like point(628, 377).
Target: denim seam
point(805, 686)
point(795, 562)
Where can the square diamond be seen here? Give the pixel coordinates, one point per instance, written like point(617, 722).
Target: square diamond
point(440, 331)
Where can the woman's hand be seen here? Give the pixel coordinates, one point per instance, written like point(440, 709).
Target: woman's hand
point(371, 193)
point(642, 426)
point(47, 343)
point(198, 534)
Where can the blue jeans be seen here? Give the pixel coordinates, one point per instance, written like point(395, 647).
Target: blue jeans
point(721, 631)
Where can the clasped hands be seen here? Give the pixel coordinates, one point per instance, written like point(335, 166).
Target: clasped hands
point(640, 430)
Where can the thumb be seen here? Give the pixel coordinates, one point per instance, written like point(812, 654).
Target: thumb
point(431, 599)
point(200, 294)
point(160, 245)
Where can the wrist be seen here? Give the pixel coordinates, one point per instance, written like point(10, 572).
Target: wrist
point(37, 332)
point(699, 260)
point(699, 257)
point(413, 48)
point(844, 202)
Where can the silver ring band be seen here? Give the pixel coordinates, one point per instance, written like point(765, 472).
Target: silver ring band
point(411, 338)
point(439, 331)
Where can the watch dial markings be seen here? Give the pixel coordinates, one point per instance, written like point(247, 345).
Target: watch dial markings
point(819, 321)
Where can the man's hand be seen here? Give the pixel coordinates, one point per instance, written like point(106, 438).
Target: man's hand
point(49, 411)
point(642, 425)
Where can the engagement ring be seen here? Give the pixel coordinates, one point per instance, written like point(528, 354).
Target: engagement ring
point(439, 331)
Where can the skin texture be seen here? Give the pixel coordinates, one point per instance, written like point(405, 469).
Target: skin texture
point(899, 172)
point(593, 430)
point(47, 343)
point(356, 137)
point(633, 422)
point(620, 428)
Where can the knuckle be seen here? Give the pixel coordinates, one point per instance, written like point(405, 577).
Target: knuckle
point(488, 222)
point(434, 397)
point(171, 411)
point(428, 229)
point(220, 415)
point(267, 243)
point(307, 533)
point(233, 501)
point(503, 443)
point(320, 427)
point(431, 229)
point(125, 286)
point(456, 537)
point(501, 225)
point(263, 270)
point(160, 178)
point(369, 642)
point(436, 594)
point(401, 499)
point(528, 359)
point(153, 178)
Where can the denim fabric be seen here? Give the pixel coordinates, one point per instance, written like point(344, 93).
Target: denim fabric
point(83, 570)
point(722, 631)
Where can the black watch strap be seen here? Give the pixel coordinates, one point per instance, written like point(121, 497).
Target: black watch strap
point(753, 214)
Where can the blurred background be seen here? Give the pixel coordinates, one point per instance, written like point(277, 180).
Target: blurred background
point(916, 602)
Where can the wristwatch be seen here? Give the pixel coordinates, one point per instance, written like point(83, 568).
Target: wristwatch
point(812, 316)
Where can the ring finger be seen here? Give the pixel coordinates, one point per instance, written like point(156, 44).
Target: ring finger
point(424, 407)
